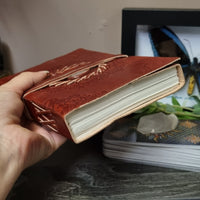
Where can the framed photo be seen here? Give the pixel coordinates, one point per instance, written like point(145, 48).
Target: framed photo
point(183, 28)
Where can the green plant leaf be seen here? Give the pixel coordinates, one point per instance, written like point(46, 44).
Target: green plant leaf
point(196, 98)
point(196, 110)
point(188, 113)
point(187, 117)
point(175, 101)
point(169, 108)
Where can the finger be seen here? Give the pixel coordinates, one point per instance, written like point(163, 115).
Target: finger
point(24, 81)
point(56, 140)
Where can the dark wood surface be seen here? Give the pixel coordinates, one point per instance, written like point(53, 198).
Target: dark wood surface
point(82, 172)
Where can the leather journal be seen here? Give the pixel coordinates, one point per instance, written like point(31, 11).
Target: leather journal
point(87, 90)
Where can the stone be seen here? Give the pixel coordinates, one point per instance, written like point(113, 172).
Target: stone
point(157, 123)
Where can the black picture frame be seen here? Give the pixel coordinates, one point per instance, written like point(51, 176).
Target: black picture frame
point(156, 17)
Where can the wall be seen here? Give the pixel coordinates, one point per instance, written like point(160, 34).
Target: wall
point(35, 31)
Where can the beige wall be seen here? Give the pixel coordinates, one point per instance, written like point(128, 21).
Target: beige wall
point(37, 30)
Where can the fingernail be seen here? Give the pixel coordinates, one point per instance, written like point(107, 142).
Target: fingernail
point(45, 71)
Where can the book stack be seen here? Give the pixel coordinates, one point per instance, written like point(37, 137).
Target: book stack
point(177, 149)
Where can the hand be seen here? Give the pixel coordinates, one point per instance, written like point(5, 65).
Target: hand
point(21, 146)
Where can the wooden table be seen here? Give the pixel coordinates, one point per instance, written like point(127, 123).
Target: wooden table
point(82, 172)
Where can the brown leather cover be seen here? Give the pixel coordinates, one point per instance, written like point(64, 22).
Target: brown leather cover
point(83, 76)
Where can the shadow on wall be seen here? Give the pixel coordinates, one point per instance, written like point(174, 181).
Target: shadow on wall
point(6, 65)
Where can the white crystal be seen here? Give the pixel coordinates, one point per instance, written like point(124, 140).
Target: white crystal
point(157, 123)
